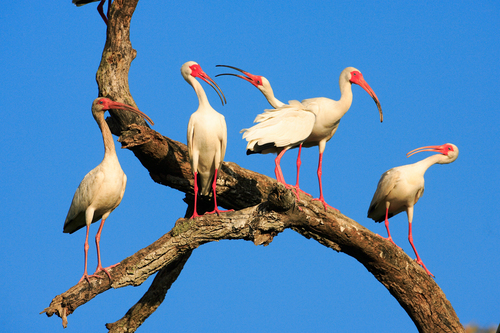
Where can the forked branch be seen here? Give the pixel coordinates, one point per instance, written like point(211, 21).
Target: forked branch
point(263, 209)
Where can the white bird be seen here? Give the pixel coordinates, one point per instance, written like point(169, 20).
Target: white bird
point(206, 136)
point(400, 188)
point(289, 129)
point(282, 128)
point(79, 3)
point(102, 189)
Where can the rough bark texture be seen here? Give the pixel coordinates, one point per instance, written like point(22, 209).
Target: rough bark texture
point(262, 207)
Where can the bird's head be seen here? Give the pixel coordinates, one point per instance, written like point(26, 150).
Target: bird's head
point(448, 149)
point(258, 81)
point(353, 75)
point(102, 104)
point(192, 69)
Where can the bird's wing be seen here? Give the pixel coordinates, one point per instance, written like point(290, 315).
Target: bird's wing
point(223, 140)
point(386, 184)
point(286, 126)
point(190, 136)
point(270, 113)
point(83, 198)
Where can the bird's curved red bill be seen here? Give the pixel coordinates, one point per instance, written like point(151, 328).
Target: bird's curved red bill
point(362, 83)
point(121, 106)
point(198, 72)
point(437, 149)
point(253, 79)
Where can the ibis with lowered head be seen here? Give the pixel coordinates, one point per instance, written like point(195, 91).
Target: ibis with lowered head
point(400, 188)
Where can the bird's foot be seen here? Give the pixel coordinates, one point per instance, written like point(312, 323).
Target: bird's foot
point(100, 268)
point(87, 277)
point(217, 211)
point(390, 240)
point(297, 191)
point(423, 266)
point(325, 204)
point(194, 215)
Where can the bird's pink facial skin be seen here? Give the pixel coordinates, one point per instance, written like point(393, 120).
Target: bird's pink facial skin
point(443, 149)
point(357, 77)
point(256, 80)
point(196, 71)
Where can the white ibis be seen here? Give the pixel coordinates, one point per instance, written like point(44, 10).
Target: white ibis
point(102, 189)
point(79, 3)
point(328, 113)
point(206, 136)
point(400, 188)
point(283, 124)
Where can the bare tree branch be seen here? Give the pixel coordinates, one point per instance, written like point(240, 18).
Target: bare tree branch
point(263, 209)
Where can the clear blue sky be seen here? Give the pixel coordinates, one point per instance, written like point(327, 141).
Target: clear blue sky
point(434, 66)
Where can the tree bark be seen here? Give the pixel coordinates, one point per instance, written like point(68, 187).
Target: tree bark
point(263, 209)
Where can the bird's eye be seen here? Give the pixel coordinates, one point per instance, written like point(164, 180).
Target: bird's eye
point(258, 82)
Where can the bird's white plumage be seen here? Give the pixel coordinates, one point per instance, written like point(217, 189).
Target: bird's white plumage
point(102, 189)
point(283, 127)
point(207, 141)
point(400, 188)
point(328, 112)
point(287, 126)
point(207, 131)
point(99, 193)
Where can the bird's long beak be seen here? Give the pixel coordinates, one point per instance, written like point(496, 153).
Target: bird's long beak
point(438, 149)
point(370, 91)
point(362, 83)
point(253, 79)
point(204, 76)
point(121, 106)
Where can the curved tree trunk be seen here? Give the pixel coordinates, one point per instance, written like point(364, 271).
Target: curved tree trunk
point(263, 209)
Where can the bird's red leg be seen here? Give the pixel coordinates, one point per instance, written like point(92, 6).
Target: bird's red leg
point(216, 208)
point(297, 188)
point(86, 250)
point(321, 198)
point(99, 265)
point(389, 238)
point(419, 261)
point(195, 213)
point(277, 170)
point(101, 12)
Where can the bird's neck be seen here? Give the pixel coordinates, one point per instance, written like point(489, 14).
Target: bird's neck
point(202, 96)
point(426, 163)
point(345, 100)
point(275, 103)
point(107, 137)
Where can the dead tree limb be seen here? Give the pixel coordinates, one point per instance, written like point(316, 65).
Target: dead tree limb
point(263, 209)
